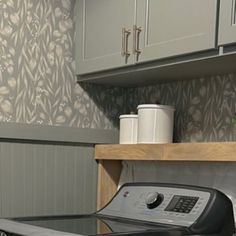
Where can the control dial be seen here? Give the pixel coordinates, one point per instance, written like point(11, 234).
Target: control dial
point(153, 200)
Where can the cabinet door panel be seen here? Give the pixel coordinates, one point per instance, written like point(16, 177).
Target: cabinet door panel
point(99, 28)
point(172, 28)
point(227, 22)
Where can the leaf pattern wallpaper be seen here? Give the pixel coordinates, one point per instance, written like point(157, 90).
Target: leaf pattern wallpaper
point(204, 107)
point(38, 82)
point(37, 68)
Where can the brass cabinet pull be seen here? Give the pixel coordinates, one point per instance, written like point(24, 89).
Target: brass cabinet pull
point(136, 49)
point(125, 42)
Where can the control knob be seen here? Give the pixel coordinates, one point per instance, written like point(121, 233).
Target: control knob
point(153, 200)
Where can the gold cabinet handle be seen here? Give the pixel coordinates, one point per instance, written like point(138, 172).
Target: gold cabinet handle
point(125, 43)
point(136, 50)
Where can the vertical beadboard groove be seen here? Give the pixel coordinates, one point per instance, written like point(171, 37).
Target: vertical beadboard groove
point(75, 196)
point(54, 180)
point(1, 180)
point(46, 179)
point(24, 180)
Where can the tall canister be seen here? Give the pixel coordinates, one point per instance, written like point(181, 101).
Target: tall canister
point(128, 129)
point(155, 123)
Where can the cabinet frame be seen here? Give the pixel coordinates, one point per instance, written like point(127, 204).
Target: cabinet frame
point(227, 22)
point(120, 52)
point(138, 26)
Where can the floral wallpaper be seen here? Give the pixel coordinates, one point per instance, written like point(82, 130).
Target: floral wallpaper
point(37, 69)
point(38, 82)
point(204, 107)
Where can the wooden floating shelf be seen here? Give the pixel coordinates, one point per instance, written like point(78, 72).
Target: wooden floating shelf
point(207, 151)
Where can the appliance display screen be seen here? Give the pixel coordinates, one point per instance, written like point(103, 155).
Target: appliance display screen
point(182, 204)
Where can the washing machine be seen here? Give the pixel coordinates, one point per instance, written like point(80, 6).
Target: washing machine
point(142, 209)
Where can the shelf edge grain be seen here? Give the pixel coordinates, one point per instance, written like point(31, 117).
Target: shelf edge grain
point(129, 152)
point(207, 151)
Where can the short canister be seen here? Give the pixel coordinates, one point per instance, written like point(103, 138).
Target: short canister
point(128, 129)
point(155, 123)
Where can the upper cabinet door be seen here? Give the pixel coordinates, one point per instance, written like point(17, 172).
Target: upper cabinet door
point(170, 28)
point(104, 34)
point(227, 22)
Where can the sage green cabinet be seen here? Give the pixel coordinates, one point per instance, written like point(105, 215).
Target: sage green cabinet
point(227, 22)
point(153, 30)
point(100, 43)
point(173, 28)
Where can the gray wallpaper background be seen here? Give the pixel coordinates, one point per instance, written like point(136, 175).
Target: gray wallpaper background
point(204, 106)
point(38, 82)
point(37, 69)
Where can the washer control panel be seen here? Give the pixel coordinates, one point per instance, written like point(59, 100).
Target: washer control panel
point(183, 204)
point(158, 204)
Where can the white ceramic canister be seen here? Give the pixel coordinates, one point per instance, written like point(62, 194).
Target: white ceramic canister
point(155, 123)
point(128, 129)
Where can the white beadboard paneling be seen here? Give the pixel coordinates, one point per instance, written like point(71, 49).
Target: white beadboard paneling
point(46, 179)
